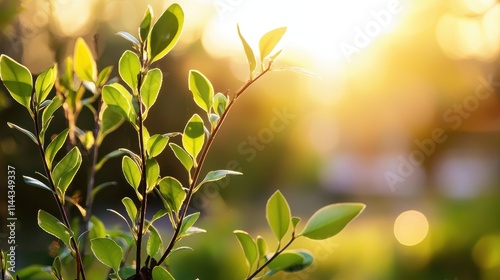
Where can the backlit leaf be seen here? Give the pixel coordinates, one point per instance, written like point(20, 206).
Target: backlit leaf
point(66, 169)
point(129, 67)
point(44, 83)
point(249, 247)
point(54, 146)
point(202, 89)
point(165, 32)
point(269, 41)
point(252, 64)
point(84, 63)
point(53, 226)
point(17, 79)
point(171, 190)
point(131, 171)
point(193, 137)
point(278, 214)
point(107, 252)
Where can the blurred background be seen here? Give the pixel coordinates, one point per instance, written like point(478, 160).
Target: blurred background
point(404, 117)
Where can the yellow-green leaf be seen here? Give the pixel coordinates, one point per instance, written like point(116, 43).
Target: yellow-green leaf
point(269, 41)
point(165, 32)
point(129, 67)
point(202, 89)
point(84, 63)
point(17, 79)
point(44, 83)
point(252, 64)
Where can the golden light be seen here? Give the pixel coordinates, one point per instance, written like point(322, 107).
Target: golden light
point(411, 227)
point(73, 17)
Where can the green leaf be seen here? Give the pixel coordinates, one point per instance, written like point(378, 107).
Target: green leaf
point(156, 144)
point(290, 261)
point(97, 228)
point(188, 222)
point(110, 121)
point(202, 89)
point(55, 146)
point(331, 219)
point(165, 32)
point(131, 171)
point(85, 66)
point(118, 99)
point(220, 103)
point(252, 64)
point(213, 176)
point(171, 190)
point(53, 226)
point(261, 246)
point(66, 169)
point(152, 173)
point(193, 137)
point(132, 231)
point(103, 76)
point(36, 183)
point(49, 110)
point(107, 157)
point(278, 214)
point(151, 87)
point(17, 79)
point(129, 37)
point(159, 272)
point(269, 41)
point(56, 268)
point(182, 156)
point(44, 83)
point(155, 243)
point(249, 247)
point(130, 208)
point(295, 221)
point(129, 67)
point(307, 261)
point(25, 131)
point(107, 252)
point(145, 25)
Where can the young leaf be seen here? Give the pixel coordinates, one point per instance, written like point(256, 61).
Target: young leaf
point(248, 51)
point(130, 208)
point(182, 156)
point(25, 131)
point(159, 272)
point(55, 146)
point(145, 26)
point(107, 252)
point(249, 247)
point(188, 222)
point(278, 214)
point(85, 66)
point(53, 226)
point(152, 173)
point(155, 243)
point(129, 37)
point(202, 89)
point(171, 190)
point(151, 87)
point(103, 76)
point(165, 32)
point(261, 246)
point(156, 144)
point(220, 103)
point(269, 41)
point(56, 268)
point(193, 137)
point(131, 171)
point(50, 109)
point(66, 169)
point(216, 176)
point(119, 100)
point(330, 220)
point(295, 221)
point(129, 67)
point(36, 183)
point(110, 121)
point(44, 83)
point(17, 79)
point(97, 228)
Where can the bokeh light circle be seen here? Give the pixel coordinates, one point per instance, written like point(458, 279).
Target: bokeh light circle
point(411, 227)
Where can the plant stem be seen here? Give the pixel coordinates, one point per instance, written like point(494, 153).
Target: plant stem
point(271, 259)
point(203, 156)
point(60, 206)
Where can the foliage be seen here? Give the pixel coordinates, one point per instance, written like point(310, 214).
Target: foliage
point(82, 86)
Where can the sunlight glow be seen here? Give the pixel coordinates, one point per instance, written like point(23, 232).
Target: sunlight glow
point(411, 227)
point(68, 23)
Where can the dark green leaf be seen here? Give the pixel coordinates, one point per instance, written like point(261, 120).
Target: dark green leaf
point(331, 219)
point(107, 252)
point(131, 171)
point(36, 183)
point(213, 176)
point(25, 131)
point(159, 272)
point(53, 226)
point(156, 144)
point(307, 261)
point(152, 173)
point(165, 32)
point(252, 64)
point(173, 193)
point(85, 66)
point(193, 137)
point(249, 247)
point(17, 79)
point(66, 169)
point(269, 41)
point(55, 146)
point(155, 243)
point(44, 83)
point(182, 156)
point(202, 89)
point(278, 214)
point(129, 37)
point(145, 26)
point(129, 67)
